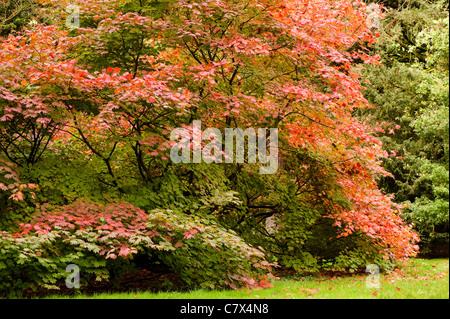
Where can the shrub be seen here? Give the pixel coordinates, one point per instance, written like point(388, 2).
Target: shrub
point(103, 240)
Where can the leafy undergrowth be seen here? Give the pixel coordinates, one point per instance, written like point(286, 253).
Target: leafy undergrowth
point(104, 239)
point(416, 279)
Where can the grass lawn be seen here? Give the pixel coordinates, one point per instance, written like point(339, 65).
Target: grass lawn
point(417, 279)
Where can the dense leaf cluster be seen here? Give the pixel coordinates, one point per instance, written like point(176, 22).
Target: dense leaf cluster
point(410, 92)
point(86, 117)
point(104, 240)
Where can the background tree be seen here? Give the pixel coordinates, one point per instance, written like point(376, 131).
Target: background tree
point(15, 15)
point(410, 94)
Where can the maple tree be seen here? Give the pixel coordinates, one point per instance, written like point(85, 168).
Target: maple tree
point(96, 106)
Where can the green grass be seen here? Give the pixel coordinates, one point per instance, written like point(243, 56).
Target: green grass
point(417, 279)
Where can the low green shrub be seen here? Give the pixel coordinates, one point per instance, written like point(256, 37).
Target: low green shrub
point(103, 240)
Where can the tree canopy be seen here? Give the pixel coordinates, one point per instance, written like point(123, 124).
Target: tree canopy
point(86, 115)
point(410, 91)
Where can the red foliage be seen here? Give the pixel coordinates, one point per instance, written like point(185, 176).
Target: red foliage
point(202, 65)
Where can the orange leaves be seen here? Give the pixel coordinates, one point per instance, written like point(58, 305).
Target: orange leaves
point(337, 23)
point(190, 233)
point(355, 156)
point(17, 196)
point(277, 68)
point(250, 46)
point(113, 70)
point(375, 215)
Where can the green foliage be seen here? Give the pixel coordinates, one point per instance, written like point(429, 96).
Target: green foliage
point(410, 92)
point(359, 257)
point(15, 14)
point(210, 255)
point(104, 240)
